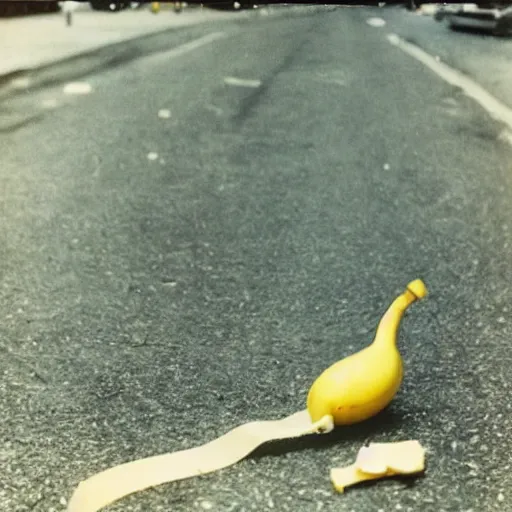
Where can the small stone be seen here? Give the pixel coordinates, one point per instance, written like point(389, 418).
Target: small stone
point(77, 88)
point(20, 83)
point(164, 113)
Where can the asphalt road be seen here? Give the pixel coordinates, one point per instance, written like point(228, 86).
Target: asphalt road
point(150, 305)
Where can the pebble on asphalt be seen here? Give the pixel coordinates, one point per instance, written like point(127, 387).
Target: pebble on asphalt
point(242, 82)
point(77, 88)
point(164, 113)
point(20, 83)
point(49, 103)
point(375, 22)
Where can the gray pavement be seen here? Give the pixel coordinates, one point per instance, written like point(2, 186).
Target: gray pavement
point(149, 305)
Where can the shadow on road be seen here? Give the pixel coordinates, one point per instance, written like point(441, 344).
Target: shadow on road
point(360, 434)
point(480, 32)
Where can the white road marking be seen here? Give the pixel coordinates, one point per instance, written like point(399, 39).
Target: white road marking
point(77, 88)
point(242, 82)
point(506, 136)
point(375, 22)
point(494, 107)
point(333, 77)
point(187, 47)
point(20, 83)
point(393, 39)
point(218, 111)
point(152, 155)
point(49, 103)
point(164, 113)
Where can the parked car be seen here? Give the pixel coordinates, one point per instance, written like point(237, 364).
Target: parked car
point(21, 8)
point(113, 5)
point(229, 5)
point(496, 20)
point(156, 7)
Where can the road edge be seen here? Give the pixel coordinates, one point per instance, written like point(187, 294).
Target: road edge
point(495, 108)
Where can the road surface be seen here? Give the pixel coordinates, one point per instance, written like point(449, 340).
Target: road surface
point(188, 243)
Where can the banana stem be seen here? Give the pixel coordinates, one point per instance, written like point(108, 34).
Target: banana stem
point(388, 326)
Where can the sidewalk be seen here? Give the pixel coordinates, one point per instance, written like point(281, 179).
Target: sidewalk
point(34, 41)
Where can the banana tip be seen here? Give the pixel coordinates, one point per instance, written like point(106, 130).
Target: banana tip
point(418, 288)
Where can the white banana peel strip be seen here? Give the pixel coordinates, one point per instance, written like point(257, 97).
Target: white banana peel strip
point(381, 460)
point(115, 483)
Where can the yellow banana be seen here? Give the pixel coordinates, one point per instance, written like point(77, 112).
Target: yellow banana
point(363, 384)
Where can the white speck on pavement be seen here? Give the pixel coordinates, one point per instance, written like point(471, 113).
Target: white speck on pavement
point(375, 22)
point(49, 103)
point(506, 136)
point(218, 111)
point(152, 155)
point(164, 113)
point(241, 82)
point(77, 88)
point(20, 83)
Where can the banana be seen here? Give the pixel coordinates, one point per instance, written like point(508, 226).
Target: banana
point(363, 384)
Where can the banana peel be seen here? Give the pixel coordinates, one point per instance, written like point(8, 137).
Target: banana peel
point(379, 460)
point(351, 390)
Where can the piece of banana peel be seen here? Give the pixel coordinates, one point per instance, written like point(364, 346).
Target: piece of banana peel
point(380, 460)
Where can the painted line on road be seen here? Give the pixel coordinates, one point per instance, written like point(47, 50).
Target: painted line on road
point(49, 103)
point(506, 136)
point(164, 113)
point(242, 82)
point(77, 88)
point(376, 22)
point(188, 47)
point(494, 107)
point(20, 83)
